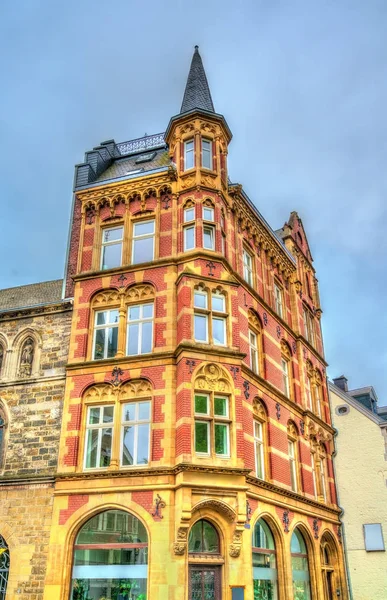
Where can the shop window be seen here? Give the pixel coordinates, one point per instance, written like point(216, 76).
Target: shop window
point(212, 425)
point(210, 317)
point(203, 538)
point(248, 267)
point(105, 334)
point(300, 567)
point(189, 155)
point(112, 240)
point(140, 329)
point(4, 567)
point(110, 558)
point(143, 242)
point(265, 578)
point(206, 153)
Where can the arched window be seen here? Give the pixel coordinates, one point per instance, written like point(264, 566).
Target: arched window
point(264, 563)
point(300, 567)
point(329, 568)
point(110, 558)
point(4, 567)
point(203, 538)
point(308, 385)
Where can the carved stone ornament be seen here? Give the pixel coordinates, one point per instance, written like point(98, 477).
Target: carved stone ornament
point(26, 358)
point(107, 297)
point(179, 548)
point(217, 505)
point(212, 377)
point(188, 182)
point(259, 408)
point(180, 545)
point(235, 546)
point(136, 387)
point(265, 319)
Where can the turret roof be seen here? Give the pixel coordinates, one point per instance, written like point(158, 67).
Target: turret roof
point(197, 92)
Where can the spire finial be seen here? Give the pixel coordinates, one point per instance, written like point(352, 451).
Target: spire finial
point(197, 93)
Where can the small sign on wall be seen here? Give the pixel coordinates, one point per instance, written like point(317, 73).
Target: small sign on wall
point(238, 593)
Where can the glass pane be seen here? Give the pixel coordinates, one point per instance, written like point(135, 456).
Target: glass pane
point(195, 537)
point(108, 413)
point(113, 316)
point(106, 444)
point(109, 588)
point(201, 405)
point(200, 300)
point(221, 407)
point(143, 250)
point(112, 342)
point(263, 537)
point(111, 235)
point(206, 159)
point(208, 238)
point(147, 311)
point(208, 214)
point(189, 214)
point(133, 339)
point(189, 238)
point(210, 538)
point(221, 439)
point(218, 331)
point(128, 446)
point(94, 415)
point(263, 590)
point(143, 411)
point(112, 520)
point(91, 448)
point(129, 412)
point(301, 590)
point(134, 313)
point(201, 328)
point(144, 228)
point(259, 460)
point(111, 256)
point(143, 445)
point(146, 342)
point(258, 430)
point(99, 344)
point(102, 317)
point(297, 545)
point(218, 303)
point(201, 437)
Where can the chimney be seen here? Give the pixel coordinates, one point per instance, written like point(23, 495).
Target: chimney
point(341, 382)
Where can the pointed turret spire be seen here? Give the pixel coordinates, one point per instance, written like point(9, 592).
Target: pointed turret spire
point(197, 93)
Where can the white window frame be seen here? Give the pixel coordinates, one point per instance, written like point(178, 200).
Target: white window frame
point(106, 327)
point(254, 351)
point(111, 243)
point(100, 427)
point(285, 376)
point(308, 393)
point(278, 297)
point(219, 316)
point(323, 478)
point(222, 420)
point(211, 419)
point(141, 320)
point(318, 396)
point(292, 452)
point(314, 476)
point(209, 228)
point(144, 236)
point(210, 208)
point(259, 446)
point(207, 152)
point(189, 153)
point(185, 216)
point(135, 423)
point(248, 267)
point(185, 231)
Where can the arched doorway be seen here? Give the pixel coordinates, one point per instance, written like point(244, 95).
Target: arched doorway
point(110, 558)
point(204, 573)
point(328, 566)
point(300, 567)
point(264, 563)
point(4, 567)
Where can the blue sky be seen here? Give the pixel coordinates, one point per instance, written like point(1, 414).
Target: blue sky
point(303, 86)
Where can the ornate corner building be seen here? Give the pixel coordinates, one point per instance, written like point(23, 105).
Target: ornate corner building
point(196, 448)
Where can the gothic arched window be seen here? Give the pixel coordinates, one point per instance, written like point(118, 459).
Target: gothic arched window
point(110, 558)
point(203, 538)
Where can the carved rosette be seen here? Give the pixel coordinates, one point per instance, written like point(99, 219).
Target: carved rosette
point(212, 377)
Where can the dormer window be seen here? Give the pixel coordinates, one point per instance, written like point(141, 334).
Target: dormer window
point(206, 154)
point(189, 155)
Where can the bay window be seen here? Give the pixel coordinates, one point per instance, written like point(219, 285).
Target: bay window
point(206, 154)
point(208, 229)
point(212, 425)
point(189, 155)
point(189, 229)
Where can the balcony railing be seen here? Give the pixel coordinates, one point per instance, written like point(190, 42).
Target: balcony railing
point(148, 142)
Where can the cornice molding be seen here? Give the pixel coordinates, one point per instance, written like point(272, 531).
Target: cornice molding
point(35, 311)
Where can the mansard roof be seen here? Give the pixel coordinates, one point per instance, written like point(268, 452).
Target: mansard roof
point(33, 294)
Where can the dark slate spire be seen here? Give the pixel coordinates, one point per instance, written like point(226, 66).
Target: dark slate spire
point(197, 93)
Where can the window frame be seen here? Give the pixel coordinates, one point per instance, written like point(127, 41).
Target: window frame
point(104, 327)
point(100, 426)
point(140, 321)
point(248, 269)
point(187, 153)
point(111, 243)
point(254, 350)
point(210, 316)
point(212, 419)
point(260, 449)
point(209, 226)
point(285, 368)
point(135, 423)
point(279, 299)
point(208, 152)
point(144, 236)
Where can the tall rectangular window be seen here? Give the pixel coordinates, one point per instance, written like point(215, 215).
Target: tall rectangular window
point(105, 334)
point(201, 318)
point(253, 343)
point(140, 329)
point(293, 464)
point(189, 230)
point(248, 267)
point(278, 300)
point(99, 435)
point(285, 376)
point(259, 450)
point(218, 304)
point(135, 433)
point(308, 393)
point(323, 478)
point(206, 154)
point(208, 213)
point(308, 325)
point(111, 255)
point(143, 241)
point(189, 155)
point(373, 537)
point(314, 478)
point(212, 427)
point(209, 237)
point(318, 396)
point(210, 321)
